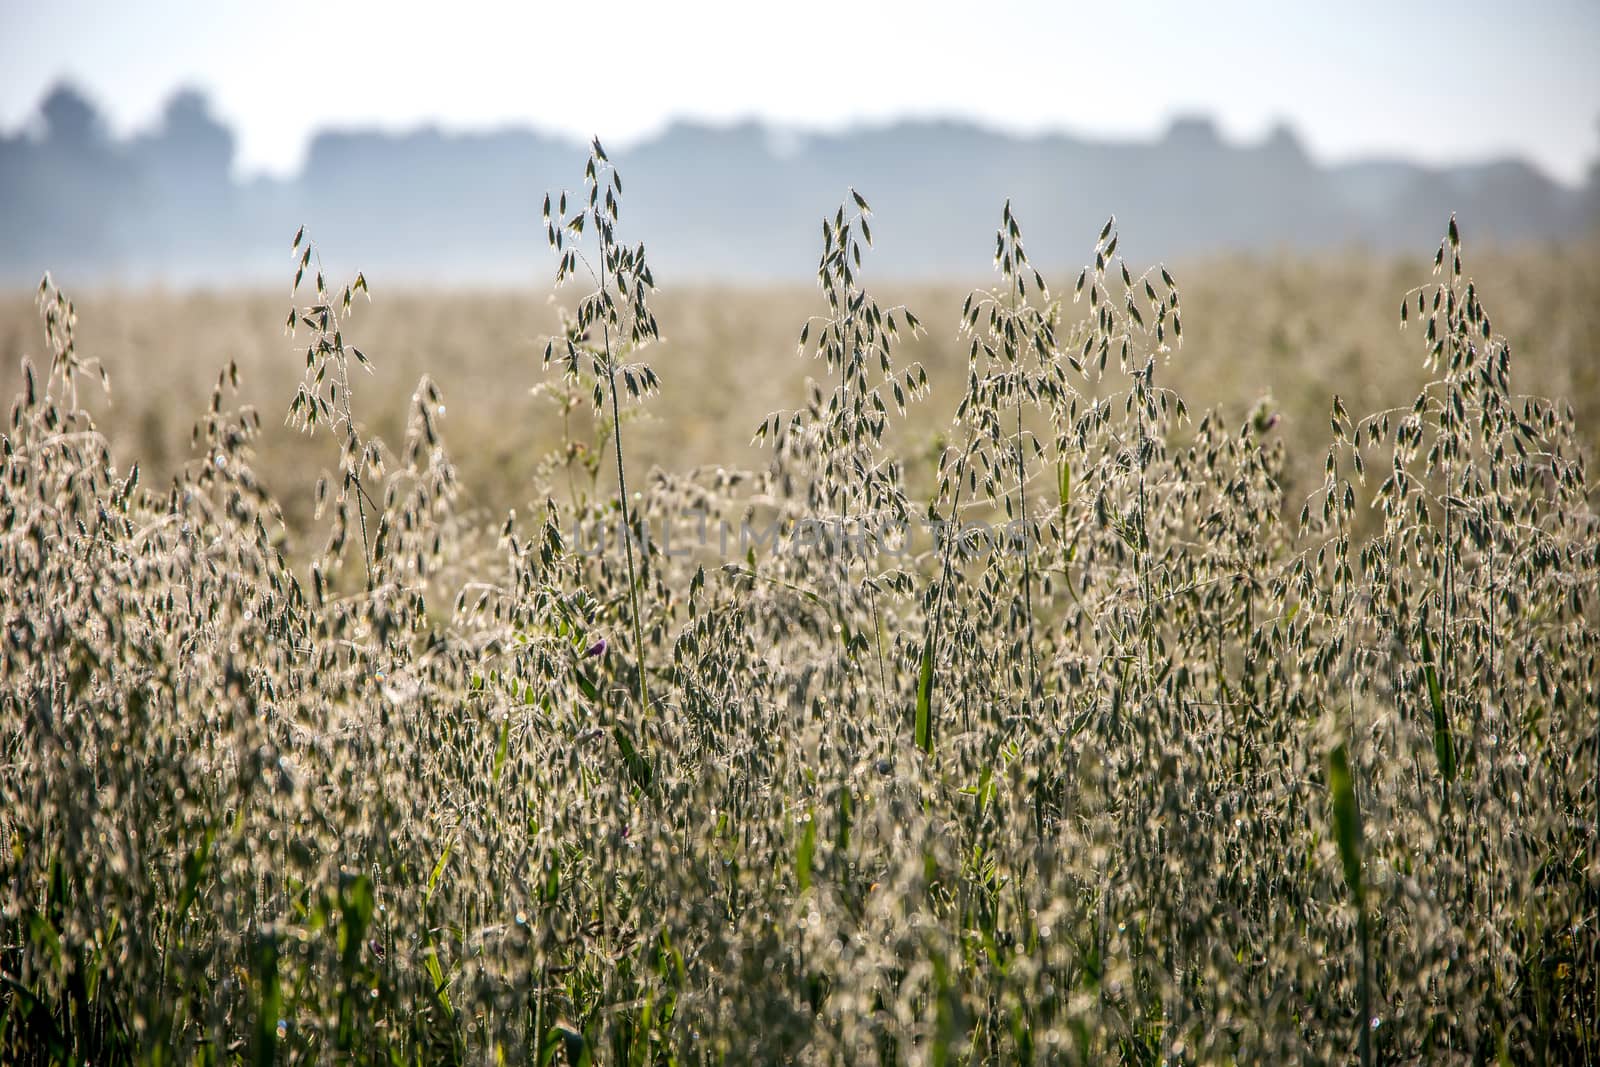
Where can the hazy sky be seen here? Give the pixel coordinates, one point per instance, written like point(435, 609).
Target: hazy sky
point(1460, 81)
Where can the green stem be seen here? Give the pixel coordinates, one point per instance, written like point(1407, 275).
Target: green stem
point(1144, 534)
point(1027, 561)
point(934, 625)
point(355, 473)
point(628, 527)
point(627, 515)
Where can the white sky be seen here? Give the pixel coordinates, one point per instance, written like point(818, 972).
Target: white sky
point(1460, 81)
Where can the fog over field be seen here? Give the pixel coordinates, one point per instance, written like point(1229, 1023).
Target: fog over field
point(734, 203)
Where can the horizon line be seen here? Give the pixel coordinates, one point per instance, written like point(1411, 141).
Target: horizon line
point(776, 128)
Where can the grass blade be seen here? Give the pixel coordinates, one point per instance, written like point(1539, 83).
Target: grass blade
point(924, 721)
point(1346, 820)
point(1443, 741)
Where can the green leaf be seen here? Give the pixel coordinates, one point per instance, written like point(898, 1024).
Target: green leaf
point(438, 869)
point(502, 748)
point(1346, 819)
point(638, 767)
point(436, 972)
point(269, 1009)
point(1443, 742)
point(357, 902)
point(804, 852)
point(985, 790)
point(193, 870)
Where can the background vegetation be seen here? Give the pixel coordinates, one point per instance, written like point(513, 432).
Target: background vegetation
point(1292, 330)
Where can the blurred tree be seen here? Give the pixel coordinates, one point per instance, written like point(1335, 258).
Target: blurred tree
point(191, 140)
point(71, 121)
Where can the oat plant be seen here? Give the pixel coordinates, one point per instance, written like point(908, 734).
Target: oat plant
point(617, 308)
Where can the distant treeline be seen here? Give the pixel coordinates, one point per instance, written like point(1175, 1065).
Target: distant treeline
point(728, 203)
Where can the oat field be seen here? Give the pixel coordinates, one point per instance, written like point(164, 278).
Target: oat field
point(1189, 663)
